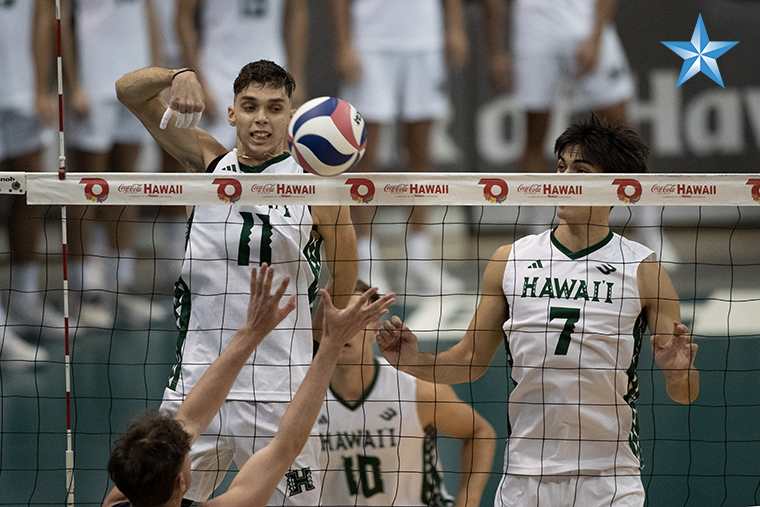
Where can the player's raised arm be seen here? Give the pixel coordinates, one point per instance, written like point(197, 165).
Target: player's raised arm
point(674, 350)
point(172, 124)
point(438, 406)
point(467, 360)
point(258, 478)
point(333, 224)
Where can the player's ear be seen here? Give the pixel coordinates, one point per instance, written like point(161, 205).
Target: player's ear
point(231, 115)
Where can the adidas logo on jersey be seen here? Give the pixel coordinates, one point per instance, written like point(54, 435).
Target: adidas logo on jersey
point(536, 265)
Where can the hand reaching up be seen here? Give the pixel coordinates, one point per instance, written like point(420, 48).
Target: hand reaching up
point(264, 311)
point(674, 353)
point(340, 326)
point(397, 343)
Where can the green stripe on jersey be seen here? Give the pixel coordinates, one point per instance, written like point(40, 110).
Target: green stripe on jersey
point(633, 386)
point(182, 314)
point(312, 252)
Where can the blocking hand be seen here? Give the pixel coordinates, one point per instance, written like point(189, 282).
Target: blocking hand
point(674, 353)
point(340, 326)
point(397, 343)
point(264, 311)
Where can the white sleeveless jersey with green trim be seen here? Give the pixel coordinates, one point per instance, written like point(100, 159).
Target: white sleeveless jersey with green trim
point(376, 452)
point(573, 335)
point(211, 297)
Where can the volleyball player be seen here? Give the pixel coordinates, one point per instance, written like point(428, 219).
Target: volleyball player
point(391, 56)
point(26, 55)
point(224, 243)
point(378, 431)
point(574, 303)
point(218, 37)
point(150, 464)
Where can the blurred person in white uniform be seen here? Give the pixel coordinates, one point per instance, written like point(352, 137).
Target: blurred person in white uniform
point(110, 38)
point(233, 33)
point(392, 58)
point(27, 49)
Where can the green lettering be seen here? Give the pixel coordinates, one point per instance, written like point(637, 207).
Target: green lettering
point(609, 293)
point(532, 286)
point(547, 291)
point(596, 291)
point(564, 290)
point(582, 292)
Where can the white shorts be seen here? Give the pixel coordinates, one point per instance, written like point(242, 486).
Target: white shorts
point(109, 123)
point(404, 86)
point(238, 430)
point(579, 490)
point(541, 75)
point(20, 133)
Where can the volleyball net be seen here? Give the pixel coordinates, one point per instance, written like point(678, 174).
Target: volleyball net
point(704, 227)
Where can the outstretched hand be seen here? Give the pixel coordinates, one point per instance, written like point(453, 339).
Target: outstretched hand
point(264, 311)
point(339, 326)
point(397, 343)
point(674, 353)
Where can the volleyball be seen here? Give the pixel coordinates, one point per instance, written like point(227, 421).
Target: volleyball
point(327, 136)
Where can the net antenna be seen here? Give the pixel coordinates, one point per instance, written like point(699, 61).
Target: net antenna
point(62, 176)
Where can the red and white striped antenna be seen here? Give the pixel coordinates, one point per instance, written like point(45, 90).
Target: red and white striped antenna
point(62, 176)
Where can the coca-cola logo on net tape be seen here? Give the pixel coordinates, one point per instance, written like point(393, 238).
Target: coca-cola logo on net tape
point(130, 188)
point(671, 190)
point(495, 190)
point(229, 190)
point(664, 189)
point(95, 189)
point(362, 189)
point(530, 188)
point(629, 190)
point(755, 189)
point(263, 188)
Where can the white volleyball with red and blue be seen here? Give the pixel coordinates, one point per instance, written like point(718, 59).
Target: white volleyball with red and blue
point(327, 136)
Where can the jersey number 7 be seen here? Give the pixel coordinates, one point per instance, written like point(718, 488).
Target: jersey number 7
point(571, 316)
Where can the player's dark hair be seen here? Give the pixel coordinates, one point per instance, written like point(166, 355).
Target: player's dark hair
point(612, 148)
point(362, 287)
point(264, 73)
point(148, 458)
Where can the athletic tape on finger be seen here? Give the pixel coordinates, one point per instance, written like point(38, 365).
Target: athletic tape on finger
point(180, 120)
point(196, 119)
point(165, 118)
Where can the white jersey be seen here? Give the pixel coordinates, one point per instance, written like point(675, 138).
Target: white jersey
point(397, 25)
point(16, 61)
point(212, 294)
point(236, 32)
point(549, 25)
point(574, 335)
point(112, 40)
point(376, 452)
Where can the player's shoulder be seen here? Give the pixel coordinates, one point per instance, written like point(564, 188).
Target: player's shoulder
point(632, 249)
